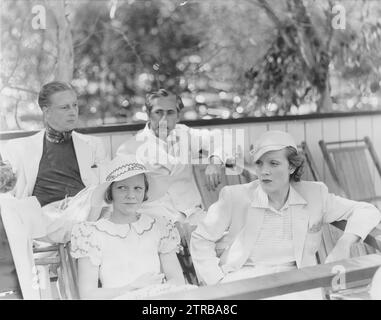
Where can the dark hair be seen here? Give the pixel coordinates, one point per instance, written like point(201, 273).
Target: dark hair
point(296, 160)
point(51, 88)
point(163, 93)
point(108, 193)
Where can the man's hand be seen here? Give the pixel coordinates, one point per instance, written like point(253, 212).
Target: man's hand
point(342, 249)
point(213, 175)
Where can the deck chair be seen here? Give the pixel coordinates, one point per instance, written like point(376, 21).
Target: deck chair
point(353, 165)
point(58, 268)
point(331, 233)
point(230, 177)
point(184, 256)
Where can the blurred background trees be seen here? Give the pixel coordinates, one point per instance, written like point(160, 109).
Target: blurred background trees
point(227, 58)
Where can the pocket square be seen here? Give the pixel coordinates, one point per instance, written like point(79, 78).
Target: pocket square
point(315, 227)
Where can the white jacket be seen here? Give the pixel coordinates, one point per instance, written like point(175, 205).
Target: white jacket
point(223, 241)
point(24, 155)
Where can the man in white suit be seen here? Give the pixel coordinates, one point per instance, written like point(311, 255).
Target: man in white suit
point(170, 149)
point(275, 223)
point(56, 163)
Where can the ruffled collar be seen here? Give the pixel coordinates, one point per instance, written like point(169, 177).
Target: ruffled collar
point(144, 224)
point(52, 135)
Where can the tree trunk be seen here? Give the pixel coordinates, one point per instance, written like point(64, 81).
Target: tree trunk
point(325, 102)
point(314, 54)
point(65, 56)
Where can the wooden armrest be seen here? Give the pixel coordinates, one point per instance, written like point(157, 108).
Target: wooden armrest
point(373, 238)
point(51, 248)
point(356, 269)
point(47, 260)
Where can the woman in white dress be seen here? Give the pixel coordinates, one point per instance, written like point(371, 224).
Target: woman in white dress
point(132, 255)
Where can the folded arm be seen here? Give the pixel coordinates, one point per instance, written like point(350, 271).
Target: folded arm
point(361, 218)
point(204, 238)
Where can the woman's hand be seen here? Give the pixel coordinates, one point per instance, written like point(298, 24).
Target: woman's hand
point(342, 249)
point(213, 175)
point(147, 279)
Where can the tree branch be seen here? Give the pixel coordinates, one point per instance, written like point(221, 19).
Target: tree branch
point(19, 42)
point(23, 89)
point(125, 38)
point(93, 32)
point(276, 20)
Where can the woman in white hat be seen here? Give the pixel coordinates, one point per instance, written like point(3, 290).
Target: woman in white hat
point(128, 252)
point(274, 223)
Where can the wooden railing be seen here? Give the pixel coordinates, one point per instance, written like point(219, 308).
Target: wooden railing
point(308, 128)
point(355, 270)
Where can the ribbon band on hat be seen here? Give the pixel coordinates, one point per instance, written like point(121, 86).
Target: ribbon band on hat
point(124, 169)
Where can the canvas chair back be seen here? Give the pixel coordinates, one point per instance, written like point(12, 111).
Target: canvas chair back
point(354, 165)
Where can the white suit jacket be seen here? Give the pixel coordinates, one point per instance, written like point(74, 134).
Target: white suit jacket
point(23, 222)
point(222, 242)
point(175, 162)
point(25, 154)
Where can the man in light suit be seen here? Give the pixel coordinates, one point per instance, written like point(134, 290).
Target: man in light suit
point(169, 149)
point(56, 163)
point(275, 223)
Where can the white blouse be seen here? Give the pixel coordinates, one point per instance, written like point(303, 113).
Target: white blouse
point(124, 252)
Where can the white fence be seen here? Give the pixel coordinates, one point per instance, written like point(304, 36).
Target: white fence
point(330, 128)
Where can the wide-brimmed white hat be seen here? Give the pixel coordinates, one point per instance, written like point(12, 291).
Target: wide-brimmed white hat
point(272, 140)
point(123, 167)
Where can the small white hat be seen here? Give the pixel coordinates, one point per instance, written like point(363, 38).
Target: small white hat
point(123, 167)
point(273, 140)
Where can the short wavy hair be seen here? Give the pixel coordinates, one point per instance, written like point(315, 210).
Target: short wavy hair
point(162, 93)
point(297, 160)
point(51, 88)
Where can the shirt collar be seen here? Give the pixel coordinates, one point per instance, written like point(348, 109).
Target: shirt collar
point(261, 200)
point(172, 137)
point(56, 136)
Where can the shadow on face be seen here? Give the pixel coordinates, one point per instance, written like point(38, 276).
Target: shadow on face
point(164, 115)
point(62, 113)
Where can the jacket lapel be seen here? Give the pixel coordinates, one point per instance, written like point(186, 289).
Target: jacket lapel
point(31, 166)
point(85, 160)
point(241, 247)
point(300, 217)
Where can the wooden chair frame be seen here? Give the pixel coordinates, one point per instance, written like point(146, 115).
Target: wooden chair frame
point(329, 149)
point(67, 276)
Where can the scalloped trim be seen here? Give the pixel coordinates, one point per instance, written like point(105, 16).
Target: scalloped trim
point(144, 224)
